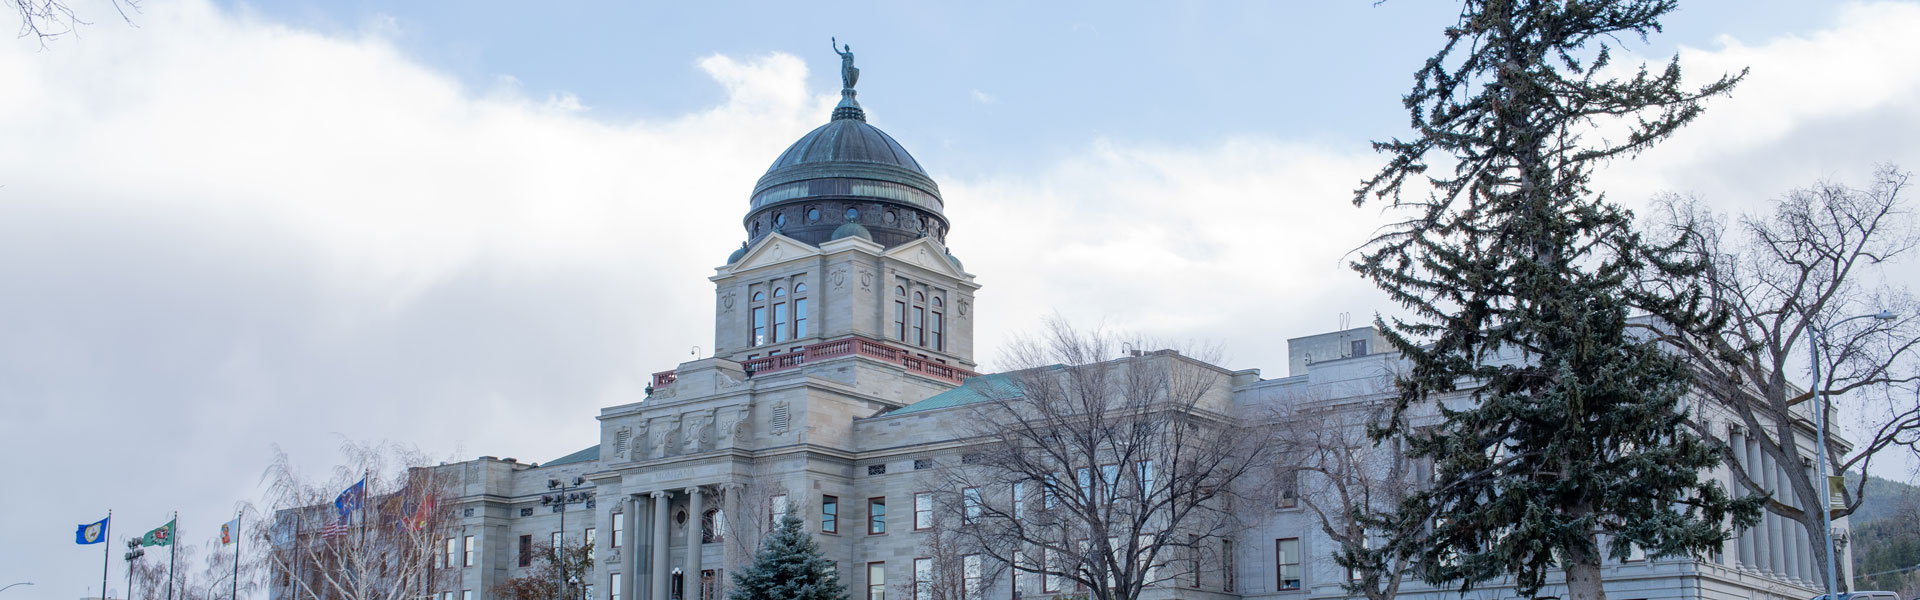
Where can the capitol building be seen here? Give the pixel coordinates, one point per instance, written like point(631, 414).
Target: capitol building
point(843, 368)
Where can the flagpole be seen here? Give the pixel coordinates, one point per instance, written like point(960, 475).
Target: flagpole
point(173, 550)
point(236, 553)
point(106, 557)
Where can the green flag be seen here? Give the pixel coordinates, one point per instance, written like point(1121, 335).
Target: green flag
point(160, 536)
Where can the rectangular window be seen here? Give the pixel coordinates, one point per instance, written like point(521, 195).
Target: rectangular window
point(526, 551)
point(1286, 563)
point(759, 325)
point(970, 505)
point(923, 579)
point(876, 581)
point(829, 514)
point(799, 318)
point(1110, 479)
point(922, 511)
point(468, 544)
point(1227, 572)
point(1359, 348)
point(1289, 493)
point(613, 587)
point(919, 326)
point(1019, 500)
point(876, 515)
point(1085, 477)
point(780, 322)
point(590, 538)
point(1146, 479)
point(900, 321)
point(466, 594)
point(453, 549)
point(1048, 562)
point(938, 343)
point(619, 528)
point(776, 506)
point(1050, 492)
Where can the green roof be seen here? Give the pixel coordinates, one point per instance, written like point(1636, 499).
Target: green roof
point(974, 389)
point(589, 454)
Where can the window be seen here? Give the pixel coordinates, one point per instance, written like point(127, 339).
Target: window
point(589, 590)
point(829, 514)
point(879, 469)
point(1048, 562)
point(876, 515)
point(590, 538)
point(1359, 348)
point(613, 587)
point(777, 506)
point(759, 324)
point(718, 527)
point(970, 503)
point(1022, 577)
point(922, 464)
point(922, 511)
point(466, 594)
point(452, 550)
point(799, 313)
point(971, 585)
point(923, 579)
point(1286, 563)
point(1289, 492)
point(1019, 500)
point(919, 325)
point(1110, 479)
point(1085, 477)
point(1145, 475)
point(1226, 565)
point(526, 551)
point(710, 526)
point(1050, 492)
point(876, 581)
point(619, 528)
point(900, 321)
point(935, 326)
point(468, 544)
point(779, 322)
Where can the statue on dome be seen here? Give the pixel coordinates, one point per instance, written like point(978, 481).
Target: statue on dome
point(849, 74)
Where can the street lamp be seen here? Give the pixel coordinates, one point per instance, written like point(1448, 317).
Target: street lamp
point(2, 589)
point(1820, 393)
point(134, 552)
point(563, 495)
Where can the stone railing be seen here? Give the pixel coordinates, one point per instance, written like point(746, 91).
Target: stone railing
point(846, 346)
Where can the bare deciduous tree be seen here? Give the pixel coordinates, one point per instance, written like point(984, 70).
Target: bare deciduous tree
point(391, 548)
point(44, 20)
point(541, 582)
point(1784, 276)
point(1108, 474)
point(1348, 482)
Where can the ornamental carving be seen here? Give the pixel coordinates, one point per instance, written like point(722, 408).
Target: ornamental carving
point(866, 279)
point(964, 305)
point(726, 300)
point(838, 277)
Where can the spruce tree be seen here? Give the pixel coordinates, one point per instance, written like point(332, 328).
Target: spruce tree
point(1562, 439)
point(788, 566)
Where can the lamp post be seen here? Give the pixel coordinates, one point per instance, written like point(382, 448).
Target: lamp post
point(1820, 394)
point(134, 552)
point(564, 494)
point(2, 589)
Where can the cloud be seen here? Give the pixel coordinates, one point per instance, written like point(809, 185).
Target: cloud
point(984, 98)
point(219, 233)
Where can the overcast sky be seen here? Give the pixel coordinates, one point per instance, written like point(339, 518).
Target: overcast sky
point(470, 225)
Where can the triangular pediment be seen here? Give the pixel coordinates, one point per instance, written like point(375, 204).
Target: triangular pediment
point(772, 250)
point(927, 254)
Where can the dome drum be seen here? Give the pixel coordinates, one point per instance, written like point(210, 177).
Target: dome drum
point(814, 220)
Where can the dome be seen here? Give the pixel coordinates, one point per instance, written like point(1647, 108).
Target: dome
point(847, 230)
point(846, 172)
point(738, 254)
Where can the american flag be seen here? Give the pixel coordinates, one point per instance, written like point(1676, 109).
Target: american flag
point(338, 528)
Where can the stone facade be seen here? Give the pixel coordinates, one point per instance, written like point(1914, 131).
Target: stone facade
point(816, 406)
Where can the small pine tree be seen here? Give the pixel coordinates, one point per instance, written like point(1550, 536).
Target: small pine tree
point(788, 566)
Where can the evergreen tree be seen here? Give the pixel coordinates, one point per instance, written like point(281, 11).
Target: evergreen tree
point(788, 566)
point(1570, 445)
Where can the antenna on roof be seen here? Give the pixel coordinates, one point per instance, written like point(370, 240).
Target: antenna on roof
point(1346, 318)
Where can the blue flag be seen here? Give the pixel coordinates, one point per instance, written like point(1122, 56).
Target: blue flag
point(350, 499)
point(91, 533)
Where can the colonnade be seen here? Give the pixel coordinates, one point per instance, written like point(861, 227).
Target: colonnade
point(1776, 545)
point(657, 573)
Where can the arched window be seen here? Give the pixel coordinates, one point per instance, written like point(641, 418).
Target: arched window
point(713, 527)
point(759, 296)
point(779, 292)
point(759, 315)
point(799, 311)
point(919, 297)
point(899, 290)
point(937, 303)
point(779, 315)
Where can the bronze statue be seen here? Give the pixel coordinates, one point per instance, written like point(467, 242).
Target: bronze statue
point(849, 74)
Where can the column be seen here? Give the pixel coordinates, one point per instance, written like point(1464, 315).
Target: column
point(692, 570)
point(1777, 540)
point(661, 576)
point(630, 550)
point(1741, 455)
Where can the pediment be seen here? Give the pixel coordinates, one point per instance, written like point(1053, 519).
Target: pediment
point(927, 254)
point(772, 250)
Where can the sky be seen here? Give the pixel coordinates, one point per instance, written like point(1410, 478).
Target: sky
point(228, 228)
